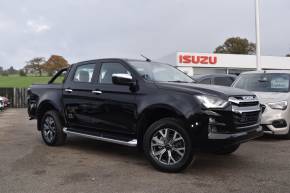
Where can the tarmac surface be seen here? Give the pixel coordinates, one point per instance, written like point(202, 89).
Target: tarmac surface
point(85, 165)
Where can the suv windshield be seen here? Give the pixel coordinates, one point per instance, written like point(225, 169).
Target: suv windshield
point(159, 72)
point(270, 82)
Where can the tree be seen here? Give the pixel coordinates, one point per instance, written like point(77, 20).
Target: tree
point(55, 63)
point(11, 70)
point(35, 65)
point(22, 72)
point(1, 69)
point(236, 45)
point(288, 55)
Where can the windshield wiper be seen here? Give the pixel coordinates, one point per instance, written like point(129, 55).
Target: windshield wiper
point(263, 80)
point(180, 81)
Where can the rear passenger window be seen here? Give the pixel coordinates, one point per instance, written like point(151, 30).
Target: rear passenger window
point(205, 81)
point(108, 69)
point(223, 81)
point(84, 73)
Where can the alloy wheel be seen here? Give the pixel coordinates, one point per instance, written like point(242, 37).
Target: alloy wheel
point(167, 146)
point(49, 129)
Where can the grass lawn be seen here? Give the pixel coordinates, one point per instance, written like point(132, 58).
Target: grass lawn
point(21, 81)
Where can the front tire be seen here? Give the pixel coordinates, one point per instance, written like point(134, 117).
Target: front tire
point(168, 146)
point(52, 129)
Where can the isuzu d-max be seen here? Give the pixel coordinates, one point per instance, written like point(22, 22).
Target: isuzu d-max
point(144, 104)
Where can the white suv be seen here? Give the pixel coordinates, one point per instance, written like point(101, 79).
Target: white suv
point(273, 90)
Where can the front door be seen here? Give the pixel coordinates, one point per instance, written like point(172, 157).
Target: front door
point(117, 109)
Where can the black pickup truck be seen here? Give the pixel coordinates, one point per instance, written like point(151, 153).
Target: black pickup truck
point(144, 104)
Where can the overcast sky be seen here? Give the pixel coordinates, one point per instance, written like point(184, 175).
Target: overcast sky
point(89, 29)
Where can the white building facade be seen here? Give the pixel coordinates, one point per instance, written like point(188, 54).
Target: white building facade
point(208, 63)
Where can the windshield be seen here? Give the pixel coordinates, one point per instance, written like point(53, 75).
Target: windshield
point(159, 72)
point(275, 82)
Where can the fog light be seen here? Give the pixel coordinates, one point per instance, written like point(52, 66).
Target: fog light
point(211, 120)
point(279, 123)
point(212, 129)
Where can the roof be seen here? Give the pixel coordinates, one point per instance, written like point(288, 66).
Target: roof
point(124, 59)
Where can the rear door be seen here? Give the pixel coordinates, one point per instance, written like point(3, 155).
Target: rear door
point(78, 98)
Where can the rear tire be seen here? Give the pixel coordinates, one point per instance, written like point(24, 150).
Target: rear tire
point(168, 146)
point(52, 129)
point(227, 150)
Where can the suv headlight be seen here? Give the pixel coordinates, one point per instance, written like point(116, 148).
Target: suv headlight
point(212, 102)
point(282, 105)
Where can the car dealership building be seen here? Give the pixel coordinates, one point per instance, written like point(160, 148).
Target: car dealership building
point(208, 63)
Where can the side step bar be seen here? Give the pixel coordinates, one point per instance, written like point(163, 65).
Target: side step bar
point(131, 143)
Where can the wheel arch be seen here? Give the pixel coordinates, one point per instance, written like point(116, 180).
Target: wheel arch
point(154, 113)
point(43, 107)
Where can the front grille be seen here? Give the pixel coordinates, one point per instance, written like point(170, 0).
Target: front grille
point(246, 104)
point(244, 101)
point(246, 110)
point(246, 118)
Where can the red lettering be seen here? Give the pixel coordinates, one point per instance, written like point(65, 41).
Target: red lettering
point(180, 59)
point(188, 59)
point(204, 60)
point(195, 59)
point(213, 60)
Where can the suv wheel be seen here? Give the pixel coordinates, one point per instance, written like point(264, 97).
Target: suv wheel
point(51, 129)
point(227, 150)
point(167, 145)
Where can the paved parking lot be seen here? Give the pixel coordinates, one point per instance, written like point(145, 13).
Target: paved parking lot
point(83, 165)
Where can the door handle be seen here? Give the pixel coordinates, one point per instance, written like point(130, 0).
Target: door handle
point(97, 92)
point(68, 90)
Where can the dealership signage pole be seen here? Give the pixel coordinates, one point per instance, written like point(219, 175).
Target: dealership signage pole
point(258, 43)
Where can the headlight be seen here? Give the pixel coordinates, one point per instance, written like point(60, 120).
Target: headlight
point(282, 105)
point(212, 102)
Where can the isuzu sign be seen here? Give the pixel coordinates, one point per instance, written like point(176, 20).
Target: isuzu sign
point(226, 61)
point(196, 59)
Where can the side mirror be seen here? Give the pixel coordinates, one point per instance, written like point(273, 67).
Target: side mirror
point(122, 79)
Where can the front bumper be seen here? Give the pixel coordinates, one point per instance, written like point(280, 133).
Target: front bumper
point(270, 129)
point(233, 125)
point(235, 138)
point(270, 116)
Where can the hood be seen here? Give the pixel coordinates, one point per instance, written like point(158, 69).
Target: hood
point(270, 97)
point(193, 88)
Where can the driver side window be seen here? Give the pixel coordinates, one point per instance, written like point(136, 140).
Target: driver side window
point(108, 69)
